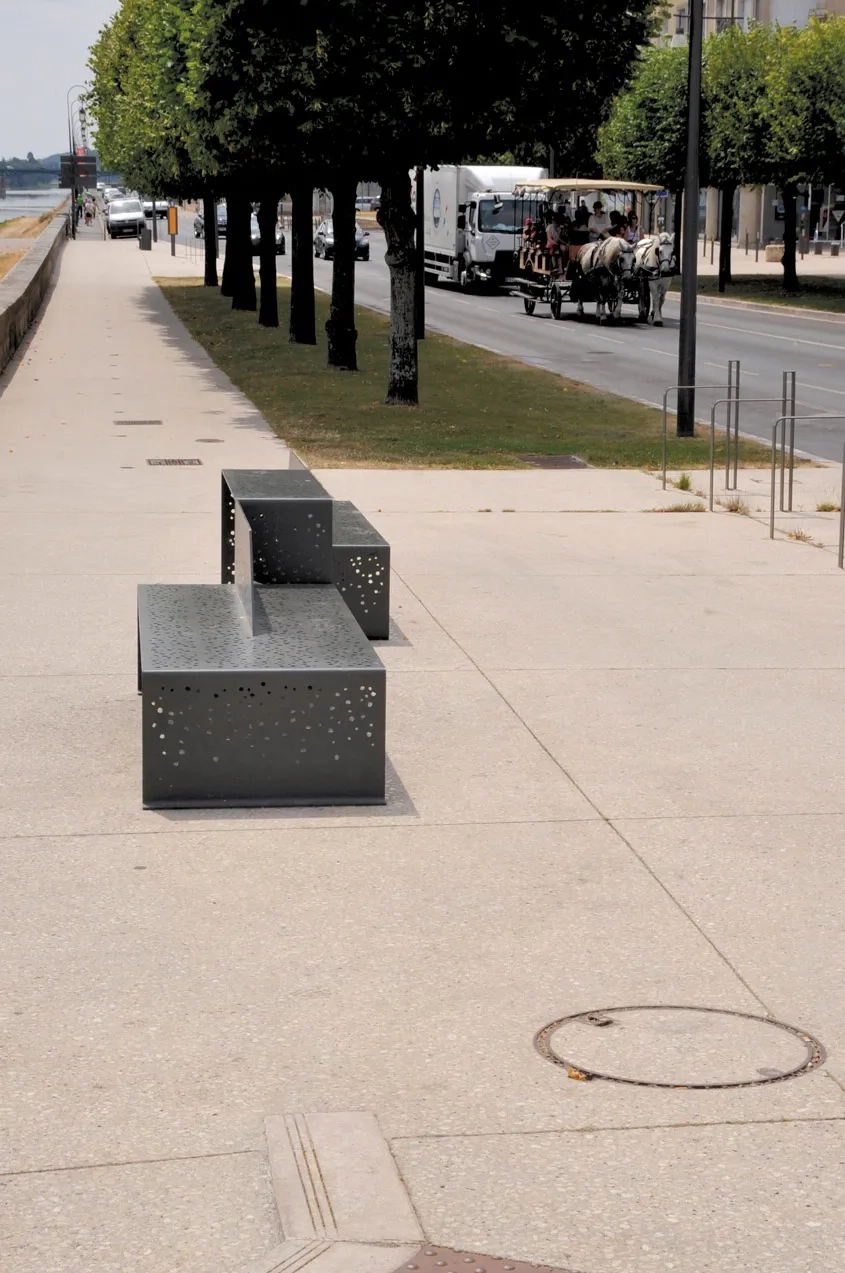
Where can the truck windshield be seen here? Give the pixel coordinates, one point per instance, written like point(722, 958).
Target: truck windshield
point(504, 216)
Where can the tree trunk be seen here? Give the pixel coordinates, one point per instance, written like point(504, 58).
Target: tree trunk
point(268, 216)
point(678, 221)
point(399, 222)
point(209, 216)
point(340, 327)
point(726, 226)
point(303, 318)
point(238, 241)
point(790, 225)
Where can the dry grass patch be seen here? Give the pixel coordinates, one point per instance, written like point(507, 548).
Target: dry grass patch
point(689, 507)
point(26, 227)
point(8, 260)
point(735, 504)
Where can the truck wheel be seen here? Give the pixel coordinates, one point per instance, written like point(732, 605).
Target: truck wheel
point(529, 303)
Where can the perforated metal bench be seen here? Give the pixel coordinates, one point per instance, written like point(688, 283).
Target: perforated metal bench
point(361, 569)
point(259, 693)
point(285, 504)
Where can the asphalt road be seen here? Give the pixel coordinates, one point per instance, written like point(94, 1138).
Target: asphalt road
point(639, 361)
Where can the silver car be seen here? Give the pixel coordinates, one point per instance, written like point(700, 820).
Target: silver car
point(324, 241)
point(125, 216)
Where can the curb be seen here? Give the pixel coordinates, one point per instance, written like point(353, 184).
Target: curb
point(344, 1208)
point(761, 307)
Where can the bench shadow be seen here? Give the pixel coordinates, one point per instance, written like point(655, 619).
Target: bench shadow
point(398, 804)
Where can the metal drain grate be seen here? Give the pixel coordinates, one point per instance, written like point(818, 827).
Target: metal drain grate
point(122, 422)
point(554, 461)
point(175, 463)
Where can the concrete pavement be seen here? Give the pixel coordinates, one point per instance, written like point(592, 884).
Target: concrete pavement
point(615, 779)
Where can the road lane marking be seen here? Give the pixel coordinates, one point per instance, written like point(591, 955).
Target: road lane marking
point(821, 389)
point(791, 340)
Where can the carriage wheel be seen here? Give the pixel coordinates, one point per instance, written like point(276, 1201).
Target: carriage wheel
point(556, 303)
point(529, 303)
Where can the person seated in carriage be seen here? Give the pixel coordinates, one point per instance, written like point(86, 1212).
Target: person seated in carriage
point(579, 233)
point(558, 228)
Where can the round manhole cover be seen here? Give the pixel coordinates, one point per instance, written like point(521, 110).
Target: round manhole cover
point(677, 1046)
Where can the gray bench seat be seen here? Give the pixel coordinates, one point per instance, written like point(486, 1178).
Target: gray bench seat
point(281, 706)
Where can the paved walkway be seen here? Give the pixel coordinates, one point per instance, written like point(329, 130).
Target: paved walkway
point(616, 757)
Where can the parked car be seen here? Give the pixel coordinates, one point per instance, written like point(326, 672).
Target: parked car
point(161, 207)
point(368, 203)
point(324, 241)
point(110, 193)
point(124, 216)
point(199, 223)
point(255, 236)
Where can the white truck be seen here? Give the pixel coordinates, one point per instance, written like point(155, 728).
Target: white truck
point(472, 221)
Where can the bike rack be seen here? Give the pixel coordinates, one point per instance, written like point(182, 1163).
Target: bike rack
point(730, 386)
point(781, 420)
point(788, 392)
point(728, 487)
point(842, 514)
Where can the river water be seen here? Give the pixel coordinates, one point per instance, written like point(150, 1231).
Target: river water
point(30, 203)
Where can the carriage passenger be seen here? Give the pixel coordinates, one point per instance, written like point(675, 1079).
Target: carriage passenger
point(599, 223)
point(633, 231)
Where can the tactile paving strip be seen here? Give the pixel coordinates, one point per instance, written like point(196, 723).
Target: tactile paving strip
point(433, 1259)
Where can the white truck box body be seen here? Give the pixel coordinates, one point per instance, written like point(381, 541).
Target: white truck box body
point(489, 239)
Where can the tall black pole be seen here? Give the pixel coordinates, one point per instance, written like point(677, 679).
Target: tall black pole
point(419, 288)
point(689, 237)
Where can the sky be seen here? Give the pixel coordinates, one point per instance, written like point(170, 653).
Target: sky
point(43, 51)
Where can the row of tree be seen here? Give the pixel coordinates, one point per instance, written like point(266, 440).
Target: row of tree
point(246, 99)
point(773, 112)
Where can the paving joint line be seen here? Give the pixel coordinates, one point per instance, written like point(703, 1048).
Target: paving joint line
point(590, 1130)
point(129, 1162)
point(624, 840)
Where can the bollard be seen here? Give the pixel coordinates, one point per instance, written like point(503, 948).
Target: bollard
point(746, 243)
point(712, 249)
point(757, 250)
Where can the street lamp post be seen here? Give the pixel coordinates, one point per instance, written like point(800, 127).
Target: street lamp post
point(689, 237)
point(71, 152)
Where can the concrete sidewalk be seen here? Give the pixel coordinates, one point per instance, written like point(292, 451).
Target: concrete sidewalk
point(615, 752)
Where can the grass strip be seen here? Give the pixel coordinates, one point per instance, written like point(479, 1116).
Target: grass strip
point(816, 291)
point(478, 410)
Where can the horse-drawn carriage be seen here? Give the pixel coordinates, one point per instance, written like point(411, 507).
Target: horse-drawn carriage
point(558, 263)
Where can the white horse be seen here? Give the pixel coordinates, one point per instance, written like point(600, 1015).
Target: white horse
point(655, 265)
point(602, 267)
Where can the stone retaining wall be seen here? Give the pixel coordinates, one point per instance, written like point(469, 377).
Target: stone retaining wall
point(24, 287)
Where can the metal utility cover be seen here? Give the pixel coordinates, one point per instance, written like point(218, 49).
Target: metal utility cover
point(176, 463)
point(678, 1046)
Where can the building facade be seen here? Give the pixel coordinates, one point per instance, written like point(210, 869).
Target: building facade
point(720, 13)
point(757, 212)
